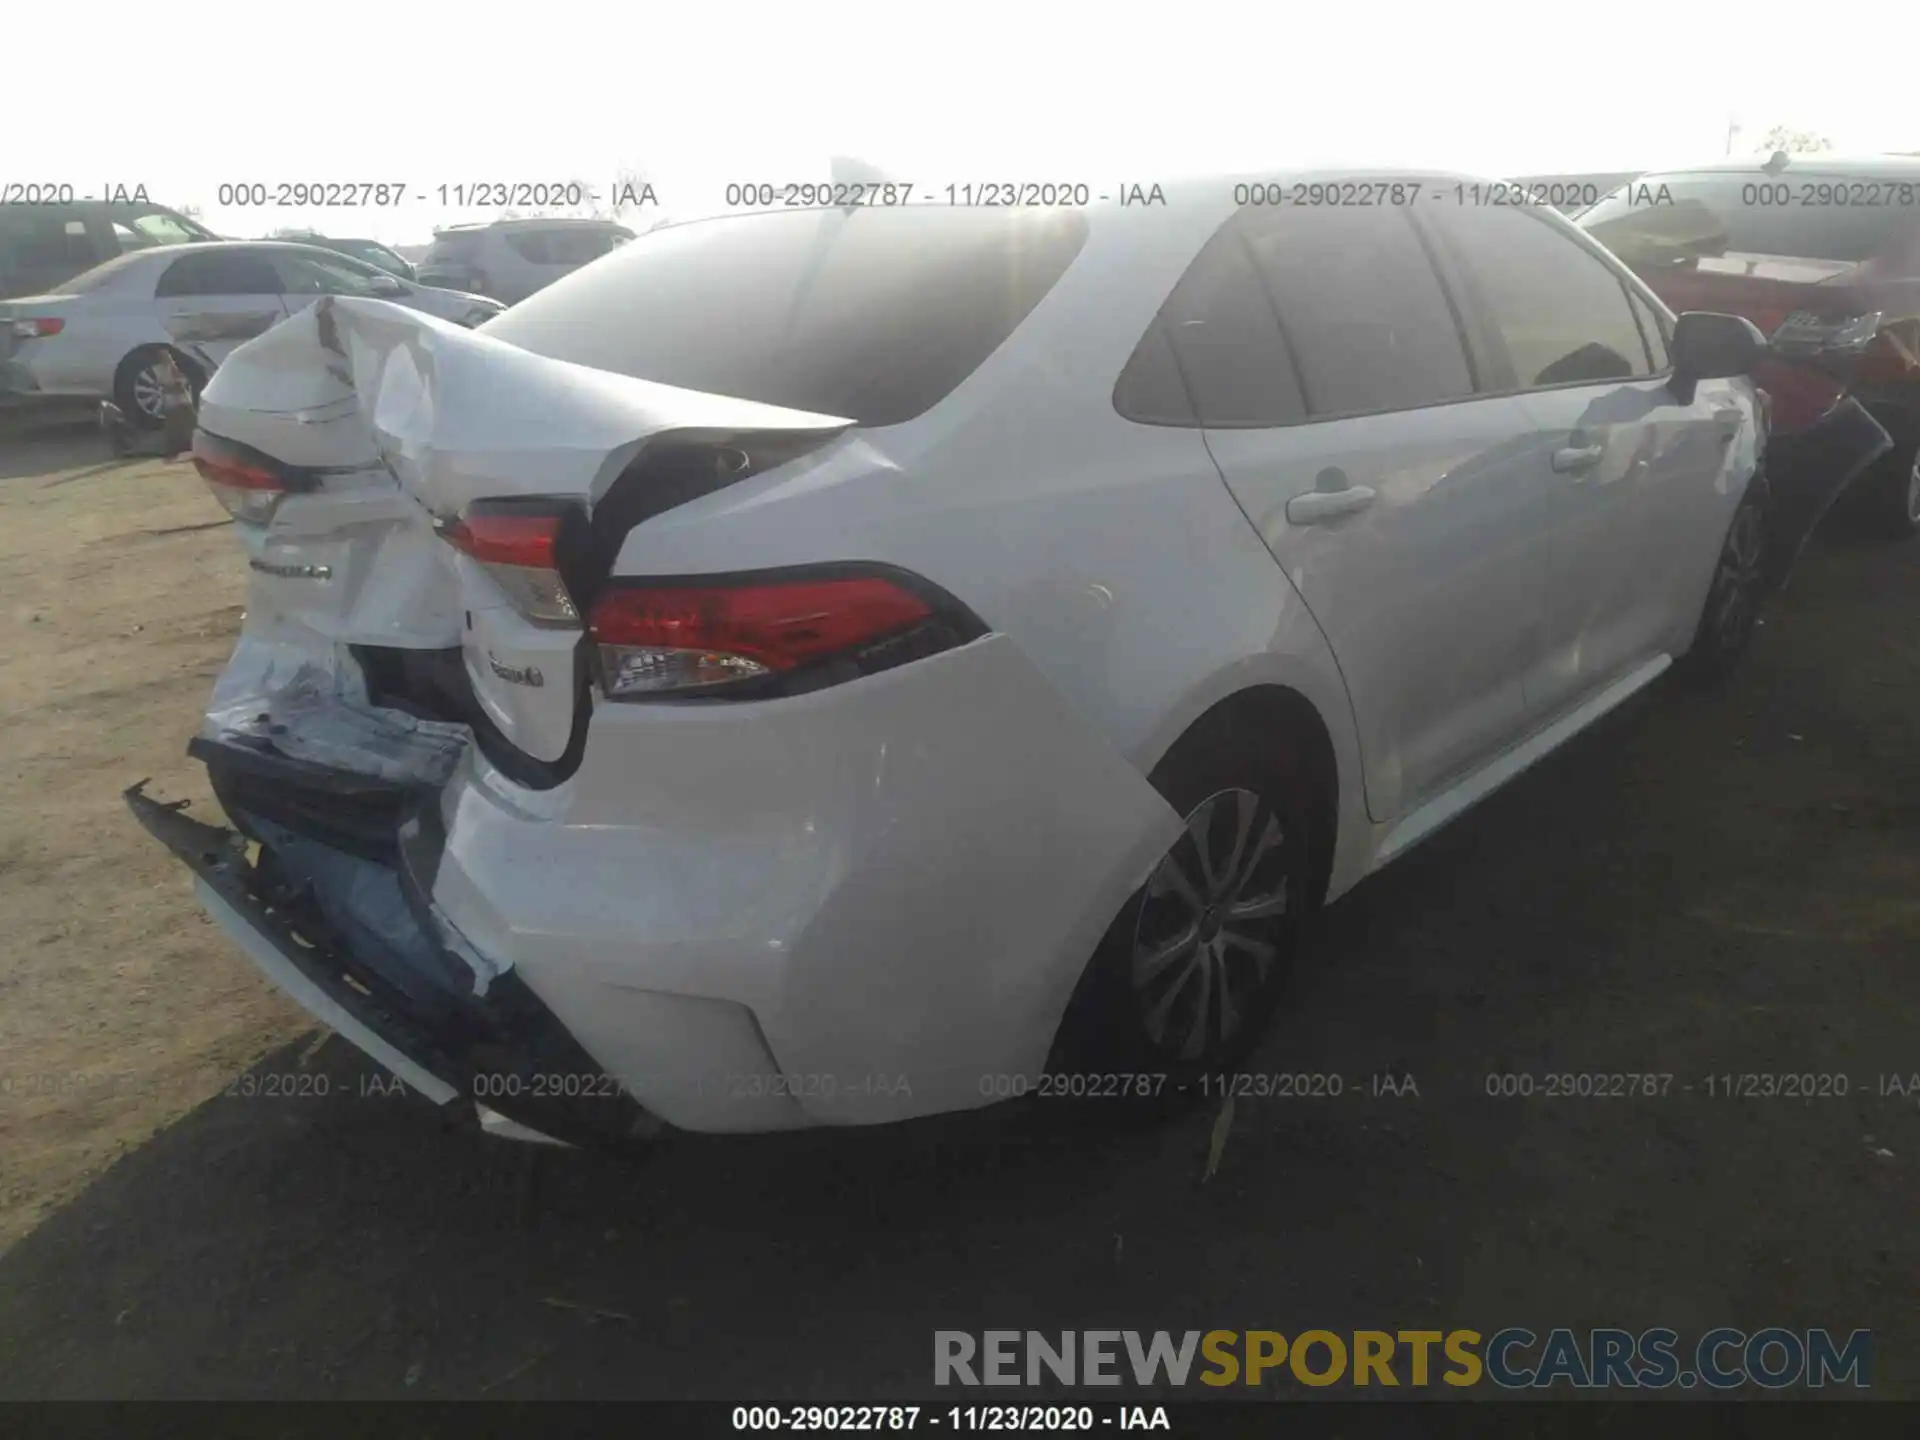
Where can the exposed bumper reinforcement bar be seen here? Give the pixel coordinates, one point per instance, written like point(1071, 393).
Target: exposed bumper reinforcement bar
point(501, 1056)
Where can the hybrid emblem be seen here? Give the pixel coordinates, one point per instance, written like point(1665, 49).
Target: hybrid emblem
point(293, 572)
point(516, 674)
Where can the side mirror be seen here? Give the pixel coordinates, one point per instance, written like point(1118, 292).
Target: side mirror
point(1707, 346)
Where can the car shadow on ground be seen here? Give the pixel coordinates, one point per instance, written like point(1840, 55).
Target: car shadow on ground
point(47, 442)
point(1699, 886)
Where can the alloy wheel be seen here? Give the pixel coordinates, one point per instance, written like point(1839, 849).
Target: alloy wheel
point(149, 394)
point(1208, 932)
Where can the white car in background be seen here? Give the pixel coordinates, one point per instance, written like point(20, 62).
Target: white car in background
point(102, 333)
point(813, 667)
point(511, 259)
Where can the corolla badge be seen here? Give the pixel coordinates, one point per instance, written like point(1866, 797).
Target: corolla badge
point(516, 674)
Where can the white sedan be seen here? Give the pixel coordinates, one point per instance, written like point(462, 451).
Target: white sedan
point(834, 666)
point(103, 333)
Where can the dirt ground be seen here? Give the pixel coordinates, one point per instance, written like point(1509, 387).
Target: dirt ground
point(1701, 887)
point(120, 591)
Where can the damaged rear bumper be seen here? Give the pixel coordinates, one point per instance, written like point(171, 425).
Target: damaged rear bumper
point(344, 925)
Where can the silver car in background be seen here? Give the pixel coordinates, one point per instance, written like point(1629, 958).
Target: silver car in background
point(511, 259)
point(102, 334)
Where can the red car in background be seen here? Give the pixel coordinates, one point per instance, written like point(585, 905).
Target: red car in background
point(1823, 255)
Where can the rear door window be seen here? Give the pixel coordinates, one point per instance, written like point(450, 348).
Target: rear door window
point(1216, 341)
point(459, 248)
point(1362, 309)
point(219, 272)
point(322, 274)
point(579, 247)
point(533, 246)
point(1561, 315)
point(874, 314)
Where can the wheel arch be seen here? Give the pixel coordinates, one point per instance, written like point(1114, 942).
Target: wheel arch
point(190, 365)
point(1307, 705)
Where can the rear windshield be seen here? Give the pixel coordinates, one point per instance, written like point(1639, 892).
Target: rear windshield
point(874, 314)
point(460, 245)
point(1665, 218)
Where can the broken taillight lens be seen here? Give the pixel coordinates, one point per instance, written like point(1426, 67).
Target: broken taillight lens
point(518, 544)
point(249, 491)
point(38, 327)
point(666, 638)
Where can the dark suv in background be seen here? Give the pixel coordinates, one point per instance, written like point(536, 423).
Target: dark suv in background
point(43, 245)
point(1824, 256)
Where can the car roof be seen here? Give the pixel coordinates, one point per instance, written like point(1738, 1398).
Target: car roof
point(91, 205)
point(531, 222)
point(1864, 167)
point(157, 254)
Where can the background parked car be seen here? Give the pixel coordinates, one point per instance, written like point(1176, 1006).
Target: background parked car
point(510, 259)
point(102, 333)
point(371, 252)
point(1570, 194)
point(43, 245)
point(1831, 245)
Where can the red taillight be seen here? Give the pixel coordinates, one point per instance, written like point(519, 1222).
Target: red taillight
point(38, 327)
point(659, 639)
point(249, 491)
point(520, 547)
point(496, 539)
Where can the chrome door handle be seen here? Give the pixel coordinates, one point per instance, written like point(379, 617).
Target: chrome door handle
point(1575, 458)
point(1317, 505)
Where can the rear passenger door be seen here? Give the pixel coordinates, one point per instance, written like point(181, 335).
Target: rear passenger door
point(211, 301)
point(1630, 472)
point(1338, 399)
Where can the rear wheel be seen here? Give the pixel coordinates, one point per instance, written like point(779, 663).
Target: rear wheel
point(1733, 599)
point(139, 391)
point(1192, 966)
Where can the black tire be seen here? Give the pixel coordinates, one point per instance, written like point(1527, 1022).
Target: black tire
point(1733, 599)
point(1110, 1028)
point(127, 383)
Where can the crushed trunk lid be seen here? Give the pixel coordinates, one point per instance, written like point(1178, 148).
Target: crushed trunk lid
point(392, 424)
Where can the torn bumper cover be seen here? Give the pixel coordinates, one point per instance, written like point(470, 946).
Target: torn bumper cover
point(1808, 469)
point(338, 916)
